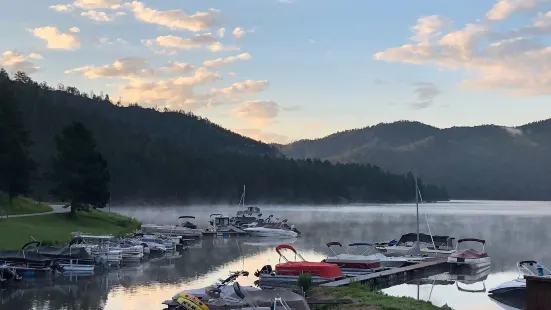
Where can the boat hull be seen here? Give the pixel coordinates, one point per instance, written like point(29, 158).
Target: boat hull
point(350, 264)
point(269, 232)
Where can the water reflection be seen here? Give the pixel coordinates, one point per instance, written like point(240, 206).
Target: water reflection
point(514, 231)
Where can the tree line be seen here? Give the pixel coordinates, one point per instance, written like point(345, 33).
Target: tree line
point(190, 160)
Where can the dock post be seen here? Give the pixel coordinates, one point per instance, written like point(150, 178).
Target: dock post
point(538, 293)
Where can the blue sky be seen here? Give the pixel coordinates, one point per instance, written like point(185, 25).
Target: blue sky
point(300, 69)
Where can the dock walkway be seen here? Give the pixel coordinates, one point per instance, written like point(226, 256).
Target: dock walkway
point(396, 274)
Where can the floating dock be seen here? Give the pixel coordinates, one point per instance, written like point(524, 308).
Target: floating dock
point(394, 276)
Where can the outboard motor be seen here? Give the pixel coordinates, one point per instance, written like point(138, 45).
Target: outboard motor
point(267, 269)
point(295, 230)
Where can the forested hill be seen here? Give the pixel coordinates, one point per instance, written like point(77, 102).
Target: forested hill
point(482, 162)
point(175, 157)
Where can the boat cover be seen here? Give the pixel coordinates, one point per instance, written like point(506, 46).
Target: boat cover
point(469, 254)
point(23, 256)
point(65, 252)
point(424, 238)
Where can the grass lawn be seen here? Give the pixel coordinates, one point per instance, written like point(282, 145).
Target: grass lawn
point(51, 228)
point(21, 205)
point(366, 298)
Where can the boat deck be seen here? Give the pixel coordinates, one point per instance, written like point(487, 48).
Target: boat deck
point(395, 275)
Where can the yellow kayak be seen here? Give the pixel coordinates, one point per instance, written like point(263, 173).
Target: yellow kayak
point(191, 302)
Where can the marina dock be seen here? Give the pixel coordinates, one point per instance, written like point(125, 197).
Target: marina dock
point(396, 275)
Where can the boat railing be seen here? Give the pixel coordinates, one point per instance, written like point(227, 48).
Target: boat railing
point(522, 266)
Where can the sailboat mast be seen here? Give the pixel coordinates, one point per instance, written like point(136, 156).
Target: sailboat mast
point(417, 206)
point(243, 196)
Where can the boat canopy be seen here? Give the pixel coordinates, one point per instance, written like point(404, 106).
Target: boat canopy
point(362, 244)
point(186, 217)
point(471, 239)
point(424, 238)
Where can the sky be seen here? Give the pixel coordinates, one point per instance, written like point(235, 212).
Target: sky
point(283, 70)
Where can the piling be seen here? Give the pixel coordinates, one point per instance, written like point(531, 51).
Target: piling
point(538, 293)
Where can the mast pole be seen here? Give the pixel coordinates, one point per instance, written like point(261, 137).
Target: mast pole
point(417, 206)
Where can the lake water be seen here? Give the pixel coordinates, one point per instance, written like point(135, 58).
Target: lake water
point(514, 231)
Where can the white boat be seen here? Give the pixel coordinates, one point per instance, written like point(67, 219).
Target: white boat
point(469, 257)
point(222, 225)
point(370, 258)
point(518, 286)
point(270, 231)
point(172, 230)
point(220, 289)
point(427, 244)
point(98, 246)
point(73, 266)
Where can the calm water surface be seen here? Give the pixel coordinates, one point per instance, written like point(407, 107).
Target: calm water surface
point(514, 231)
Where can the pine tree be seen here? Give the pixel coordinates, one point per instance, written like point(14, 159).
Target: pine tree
point(80, 172)
point(16, 164)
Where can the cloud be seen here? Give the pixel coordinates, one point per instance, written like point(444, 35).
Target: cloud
point(180, 67)
point(174, 93)
point(267, 137)
point(74, 29)
point(245, 87)
point(125, 68)
point(15, 61)
point(224, 61)
point(257, 109)
point(100, 16)
point(503, 9)
point(56, 39)
point(515, 60)
point(429, 27)
point(240, 32)
point(98, 4)
point(176, 19)
point(221, 32)
point(426, 92)
point(204, 40)
point(97, 16)
point(106, 41)
point(62, 7)
point(35, 56)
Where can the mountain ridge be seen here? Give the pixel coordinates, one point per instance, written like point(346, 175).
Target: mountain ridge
point(497, 155)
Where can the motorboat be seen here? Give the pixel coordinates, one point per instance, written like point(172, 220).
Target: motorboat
point(368, 259)
point(289, 271)
point(514, 292)
point(150, 244)
point(353, 261)
point(273, 230)
point(28, 262)
point(428, 245)
point(172, 230)
point(187, 221)
point(221, 225)
point(220, 289)
point(469, 258)
point(239, 297)
point(270, 231)
point(131, 253)
point(99, 246)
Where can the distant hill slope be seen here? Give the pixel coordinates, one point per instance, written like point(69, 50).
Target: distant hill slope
point(175, 157)
point(483, 162)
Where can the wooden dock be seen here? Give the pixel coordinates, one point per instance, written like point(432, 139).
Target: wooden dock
point(393, 276)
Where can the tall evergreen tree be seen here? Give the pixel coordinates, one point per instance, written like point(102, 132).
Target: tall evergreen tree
point(80, 172)
point(16, 164)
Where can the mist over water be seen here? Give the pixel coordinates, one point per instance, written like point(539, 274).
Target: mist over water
point(513, 230)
